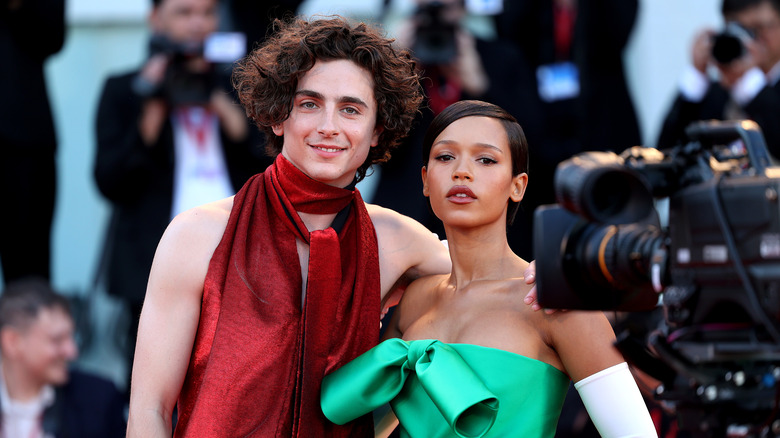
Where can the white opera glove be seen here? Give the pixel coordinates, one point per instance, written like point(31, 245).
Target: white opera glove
point(615, 404)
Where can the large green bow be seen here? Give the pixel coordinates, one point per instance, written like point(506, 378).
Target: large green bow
point(376, 377)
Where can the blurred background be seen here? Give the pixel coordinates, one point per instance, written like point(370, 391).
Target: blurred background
point(107, 37)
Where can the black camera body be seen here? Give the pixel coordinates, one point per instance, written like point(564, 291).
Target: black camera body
point(182, 85)
point(714, 271)
point(729, 44)
point(161, 43)
point(434, 41)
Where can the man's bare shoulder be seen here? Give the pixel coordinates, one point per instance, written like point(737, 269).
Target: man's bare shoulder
point(185, 250)
point(211, 216)
point(201, 227)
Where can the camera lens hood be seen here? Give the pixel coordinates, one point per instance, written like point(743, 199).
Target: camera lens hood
point(597, 186)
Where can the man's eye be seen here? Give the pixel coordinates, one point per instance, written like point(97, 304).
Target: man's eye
point(308, 105)
point(350, 110)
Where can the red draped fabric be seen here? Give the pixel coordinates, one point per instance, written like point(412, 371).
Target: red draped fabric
point(261, 351)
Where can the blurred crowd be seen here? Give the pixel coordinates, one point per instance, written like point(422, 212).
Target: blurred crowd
point(169, 135)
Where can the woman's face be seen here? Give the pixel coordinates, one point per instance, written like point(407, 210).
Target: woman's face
point(468, 177)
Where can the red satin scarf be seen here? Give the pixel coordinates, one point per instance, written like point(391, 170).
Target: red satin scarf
point(260, 354)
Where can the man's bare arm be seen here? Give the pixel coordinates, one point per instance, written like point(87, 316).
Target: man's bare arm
point(169, 319)
point(407, 251)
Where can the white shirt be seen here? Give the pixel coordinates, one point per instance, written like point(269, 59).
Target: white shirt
point(774, 74)
point(200, 172)
point(693, 84)
point(24, 419)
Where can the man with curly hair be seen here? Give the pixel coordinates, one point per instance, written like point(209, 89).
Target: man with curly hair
point(253, 299)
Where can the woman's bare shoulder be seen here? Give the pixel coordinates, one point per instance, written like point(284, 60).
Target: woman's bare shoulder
point(426, 284)
point(420, 296)
point(584, 341)
point(423, 292)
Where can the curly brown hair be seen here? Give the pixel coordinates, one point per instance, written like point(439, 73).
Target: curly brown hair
point(267, 78)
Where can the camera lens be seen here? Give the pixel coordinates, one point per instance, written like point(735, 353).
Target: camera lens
point(598, 187)
point(730, 43)
point(595, 266)
point(726, 48)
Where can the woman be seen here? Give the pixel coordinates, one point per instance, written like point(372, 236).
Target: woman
point(464, 356)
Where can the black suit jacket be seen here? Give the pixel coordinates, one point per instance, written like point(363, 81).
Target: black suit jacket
point(764, 109)
point(601, 117)
point(87, 406)
point(28, 36)
point(138, 180)
point(400, 185)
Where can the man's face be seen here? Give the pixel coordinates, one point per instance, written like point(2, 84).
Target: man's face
point(185, 20)
point(764, 21)
point(46, 346)
point(332, 125)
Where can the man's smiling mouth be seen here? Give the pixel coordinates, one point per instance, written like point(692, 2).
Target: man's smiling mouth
point(327, 148)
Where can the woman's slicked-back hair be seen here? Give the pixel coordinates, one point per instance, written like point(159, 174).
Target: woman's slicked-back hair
point(267, 78)
point(518, 145)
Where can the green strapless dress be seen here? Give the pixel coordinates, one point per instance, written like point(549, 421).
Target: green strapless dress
point(449, 390)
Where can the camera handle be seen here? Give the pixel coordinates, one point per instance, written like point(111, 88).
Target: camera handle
point(712, 132)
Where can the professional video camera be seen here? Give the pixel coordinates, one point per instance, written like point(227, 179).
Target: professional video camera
point(714, 270)
point(434, 40)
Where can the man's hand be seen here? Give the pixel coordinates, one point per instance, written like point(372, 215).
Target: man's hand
point(530, 278)
point(154, 69)
point(530, 298)
point(231, 115)
point(155, 110)
point(151, 120)
point(701, 51)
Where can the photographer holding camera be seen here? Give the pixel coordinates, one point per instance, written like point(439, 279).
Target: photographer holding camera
point(457, 63)
point(746, 56)
point(169, 137)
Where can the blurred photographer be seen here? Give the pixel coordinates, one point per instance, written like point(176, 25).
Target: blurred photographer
point(576, 86)
point(457, 63)
point(169, 137)
point(733, 74)
point(42, 394)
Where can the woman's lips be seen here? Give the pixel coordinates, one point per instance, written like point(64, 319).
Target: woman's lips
point(461, 195)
